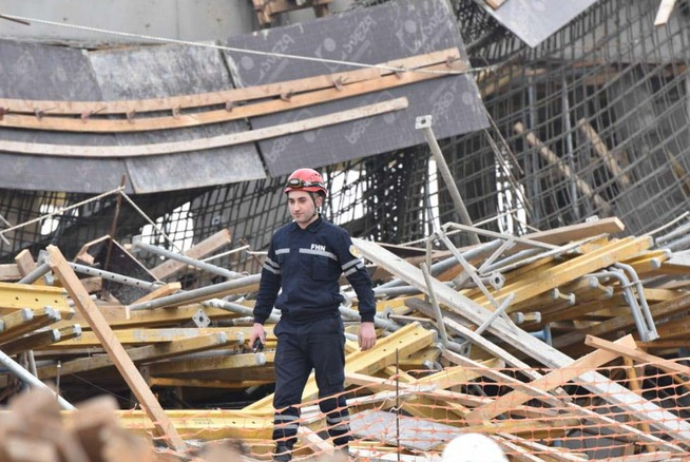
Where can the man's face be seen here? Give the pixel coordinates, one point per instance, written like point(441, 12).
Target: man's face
point(302, 207)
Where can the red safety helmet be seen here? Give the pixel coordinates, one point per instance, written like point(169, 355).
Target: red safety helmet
point(306, 179)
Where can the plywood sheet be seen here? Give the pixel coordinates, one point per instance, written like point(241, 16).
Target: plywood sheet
point(159, 71)
point(369, 35)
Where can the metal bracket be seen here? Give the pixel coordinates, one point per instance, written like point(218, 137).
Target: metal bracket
point(201, 319)
point(422, 122)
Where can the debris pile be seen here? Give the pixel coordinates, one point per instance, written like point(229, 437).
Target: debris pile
point(560, 345)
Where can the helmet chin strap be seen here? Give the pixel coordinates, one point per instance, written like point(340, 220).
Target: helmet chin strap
point(316, 208)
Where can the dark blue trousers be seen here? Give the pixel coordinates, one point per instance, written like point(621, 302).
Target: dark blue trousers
point(317, 345)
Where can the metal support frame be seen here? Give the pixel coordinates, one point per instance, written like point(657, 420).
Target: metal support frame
point(26, 377)
point(185, 259)
point(434, 303)
point(647, 330)
point(424, 123)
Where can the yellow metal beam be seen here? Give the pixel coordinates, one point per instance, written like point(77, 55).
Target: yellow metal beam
point(404, 341)
point(18, 296)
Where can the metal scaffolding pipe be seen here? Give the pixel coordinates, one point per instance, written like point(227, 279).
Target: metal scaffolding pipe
point(423, 123)
point(448, 263)
point(26, 377)
point(196, 294)
point(114, 277)
point(378, 321)
point(189, 261)
point(240, 309)
point(34, 275)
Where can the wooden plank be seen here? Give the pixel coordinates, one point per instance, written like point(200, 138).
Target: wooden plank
point(163, 425)
point(638, 356)
point(162, 291)
point(530, 286)
point(40, 339)
point(298, 101)
point(552, 159)
point(627, 432)
point(138, 355)
point(554, 379)
point(236, 95)
point(119, 317)
point(538, 350)
point(602, 151)
point(664, 13)
point(659, 311)
point(163, 335)
point(202, 249)
point(233, 139)
point(10, 272)
point(20, 322)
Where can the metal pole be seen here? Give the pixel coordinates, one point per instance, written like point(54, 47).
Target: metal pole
point(198, 294)
point(188, 260)
point(423, 123)
point(239, 309)
point(114, 277)
point(378, 322)
point(443, 265)
point(26, 377)
point(434, 303)
point(36, 274)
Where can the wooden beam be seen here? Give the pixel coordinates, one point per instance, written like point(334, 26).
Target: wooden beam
point(554, 379)
point(162, 424)
point(233, 96)
point(20, 322)
point(138, 355)
point(639, 356)
point(405, 340)
point(530, 286)
point(659, 311)
point(163, 335)
point(233, 139)
point(602, 151)
point(552, 159)
point(162, 291)
point(388, 82)
point(10, 272)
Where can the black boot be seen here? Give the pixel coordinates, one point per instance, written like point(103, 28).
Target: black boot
point(282, 453)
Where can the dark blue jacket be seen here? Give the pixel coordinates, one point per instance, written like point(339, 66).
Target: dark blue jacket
point(307, 265)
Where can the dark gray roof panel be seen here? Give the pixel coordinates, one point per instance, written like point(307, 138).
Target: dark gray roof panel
point(367, 35)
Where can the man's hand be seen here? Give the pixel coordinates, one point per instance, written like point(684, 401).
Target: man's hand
point(258, 333)
point(367, 335)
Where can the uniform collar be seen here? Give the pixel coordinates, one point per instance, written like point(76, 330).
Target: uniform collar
point(313, 227)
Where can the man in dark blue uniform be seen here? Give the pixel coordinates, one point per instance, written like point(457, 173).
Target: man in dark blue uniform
point(306, 259)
